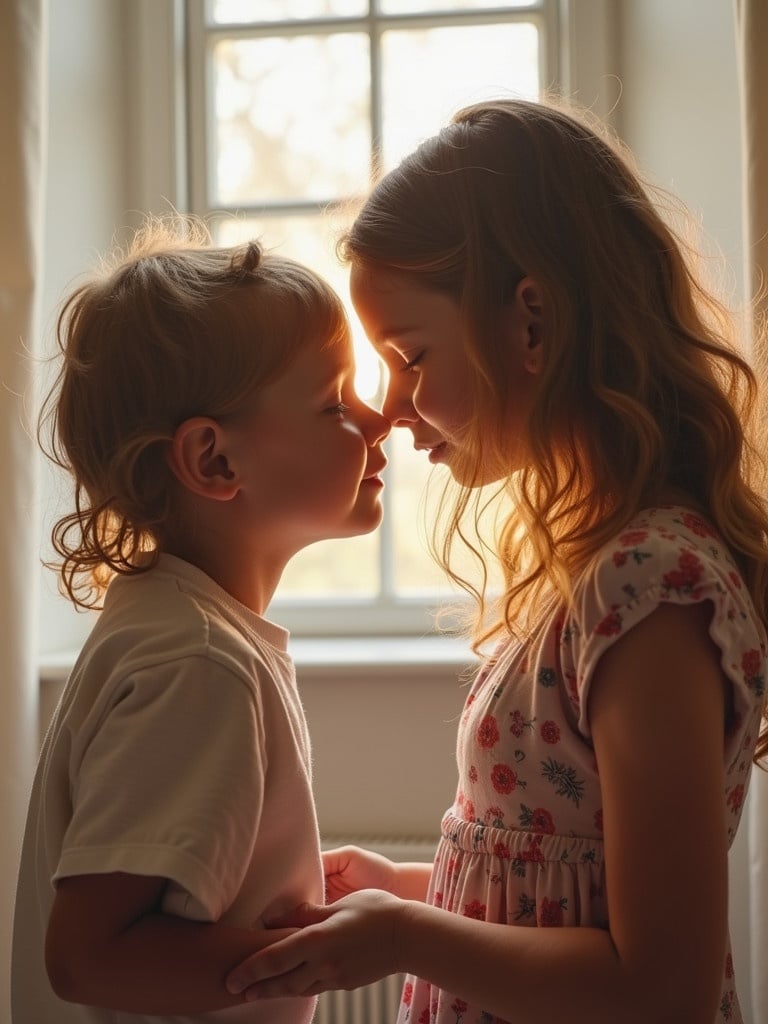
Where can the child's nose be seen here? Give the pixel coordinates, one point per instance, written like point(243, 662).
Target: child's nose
point(376, 426)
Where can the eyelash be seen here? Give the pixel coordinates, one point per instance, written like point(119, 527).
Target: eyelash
point(338, 410)
point(412, 362)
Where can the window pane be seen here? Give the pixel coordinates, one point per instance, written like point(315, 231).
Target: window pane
point(224, 12)
point(334, 569)
point(429, 6)
point(292, 118)
point(413, 483)
point(430, 73)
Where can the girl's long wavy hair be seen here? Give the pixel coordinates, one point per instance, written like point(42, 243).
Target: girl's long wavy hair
point(171, 328)
point(643, 387)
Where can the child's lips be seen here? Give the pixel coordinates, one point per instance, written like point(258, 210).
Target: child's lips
point(373, 474)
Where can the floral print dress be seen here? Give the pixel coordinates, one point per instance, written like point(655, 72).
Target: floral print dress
point(522, 843)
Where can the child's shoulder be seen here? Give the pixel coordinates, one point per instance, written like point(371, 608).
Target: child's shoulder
point(668, 553)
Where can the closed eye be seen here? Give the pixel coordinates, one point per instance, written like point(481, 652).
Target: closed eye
point(410, 363)
point(337, 410)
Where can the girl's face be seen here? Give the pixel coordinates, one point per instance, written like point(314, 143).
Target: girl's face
point(419, 334)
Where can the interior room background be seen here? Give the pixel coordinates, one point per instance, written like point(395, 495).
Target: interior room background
point(96, 146)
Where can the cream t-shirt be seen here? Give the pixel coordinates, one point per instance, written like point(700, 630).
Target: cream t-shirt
point(179, 749)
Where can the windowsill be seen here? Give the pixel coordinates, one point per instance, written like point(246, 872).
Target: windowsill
point(321, 657)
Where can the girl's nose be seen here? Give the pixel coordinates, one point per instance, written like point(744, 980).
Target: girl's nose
point(398, 407)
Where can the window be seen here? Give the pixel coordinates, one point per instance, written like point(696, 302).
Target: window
point(292, 107)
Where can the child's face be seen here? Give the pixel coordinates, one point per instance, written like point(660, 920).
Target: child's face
point(313, 453)
point(418, 332)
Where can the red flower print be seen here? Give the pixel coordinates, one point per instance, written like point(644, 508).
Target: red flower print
point(472, 774)
point(633, 537)
point(550, 913)
point(459, 1007)
point(424, 1017)
point(696, 525)
point(542, 821)
point(736, 798)
point(475, 909)
point(437, 899)
point(610, 625)
point(735, 579)
point(488, 732)
point(729, 966)
point(750, 663)
point(753, 677)
point(537, 820)
point(599, 820)
point(494, 816)
point(503, 778)
point(726, 1005)
point(501, 850)
point(687, 574)
point(619, 558)
point(408, 993)
point(469, 811)
point(518, 723)
point(467, 706)
point(550, 732)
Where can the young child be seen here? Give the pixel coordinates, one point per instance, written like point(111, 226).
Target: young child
point(543, 330)
point(206, 412)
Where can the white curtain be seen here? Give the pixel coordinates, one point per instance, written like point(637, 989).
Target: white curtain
point(752, 45)
point(22, 121)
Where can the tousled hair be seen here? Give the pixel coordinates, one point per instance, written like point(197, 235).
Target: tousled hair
point(170, 328)
point(643, 386)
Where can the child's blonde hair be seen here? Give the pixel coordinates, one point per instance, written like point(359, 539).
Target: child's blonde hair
point(642, 387)
point(172, 328)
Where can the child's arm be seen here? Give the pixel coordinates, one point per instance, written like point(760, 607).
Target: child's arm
point(108, 945)
point(349, 869)
point(657, 718)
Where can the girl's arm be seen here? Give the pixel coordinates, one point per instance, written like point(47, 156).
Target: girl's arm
point(657, 712)
point(108, 945)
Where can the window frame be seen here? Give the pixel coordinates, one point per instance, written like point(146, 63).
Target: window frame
point(172, 167)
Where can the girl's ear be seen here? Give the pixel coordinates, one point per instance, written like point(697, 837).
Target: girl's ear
point(526, 322)
point(197, 458)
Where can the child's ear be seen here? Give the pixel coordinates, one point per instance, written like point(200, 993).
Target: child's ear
point(199, 462)
point(527, 314)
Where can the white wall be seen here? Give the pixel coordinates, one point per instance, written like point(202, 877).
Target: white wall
point(85, 197)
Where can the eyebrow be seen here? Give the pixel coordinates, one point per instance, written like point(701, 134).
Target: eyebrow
point(393, 334)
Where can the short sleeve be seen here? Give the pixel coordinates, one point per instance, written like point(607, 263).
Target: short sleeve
point(171, 783)
point(680, 562)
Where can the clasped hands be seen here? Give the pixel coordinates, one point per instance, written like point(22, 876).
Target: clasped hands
point(350, 942)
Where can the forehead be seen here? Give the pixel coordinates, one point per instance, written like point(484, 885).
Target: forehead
point(317, 364)
point(392, 304)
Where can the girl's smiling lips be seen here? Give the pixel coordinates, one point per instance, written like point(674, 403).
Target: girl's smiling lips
point(436, 451)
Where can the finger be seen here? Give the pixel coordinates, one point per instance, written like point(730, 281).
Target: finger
point(302, 981)
point(270, 962)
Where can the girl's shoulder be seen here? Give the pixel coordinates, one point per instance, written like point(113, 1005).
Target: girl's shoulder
point(668, 553)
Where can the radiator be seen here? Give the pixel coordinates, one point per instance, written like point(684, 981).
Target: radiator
point(373, 1004)
point(378, 1003)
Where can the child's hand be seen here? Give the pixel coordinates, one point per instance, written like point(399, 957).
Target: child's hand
point(349, 869)
point(352, 943)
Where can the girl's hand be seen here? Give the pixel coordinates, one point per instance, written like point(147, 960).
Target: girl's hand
point(349, 869)
point(354, 942)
